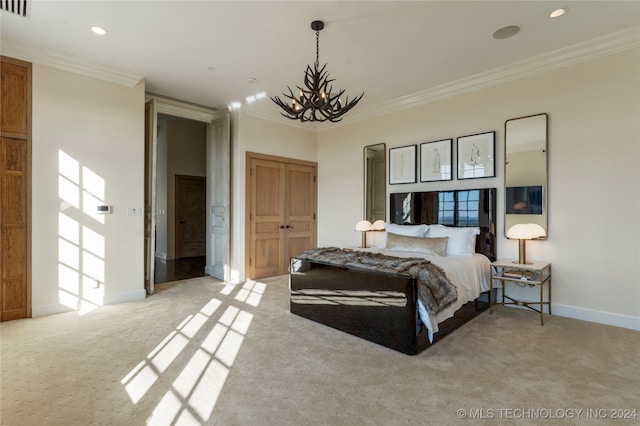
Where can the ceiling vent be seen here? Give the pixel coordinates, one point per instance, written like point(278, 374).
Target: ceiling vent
point(17, 7)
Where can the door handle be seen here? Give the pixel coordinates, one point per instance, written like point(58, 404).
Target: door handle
point(289, 227)
point(281, 226)
point(182, 222)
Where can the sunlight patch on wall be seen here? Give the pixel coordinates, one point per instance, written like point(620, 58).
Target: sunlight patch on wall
point(92, 194)
point(68, 181)
point(81, 248)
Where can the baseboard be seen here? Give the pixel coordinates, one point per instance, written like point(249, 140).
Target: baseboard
point(130, 296)
point(592, 315)
point(584, 314)
point(52, 309)
point(59, 308)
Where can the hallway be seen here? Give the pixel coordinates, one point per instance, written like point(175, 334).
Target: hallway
point(179, 269)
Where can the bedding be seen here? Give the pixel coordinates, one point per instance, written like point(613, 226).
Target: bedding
point(450, 281)
point(471, 274)
point(435, 291)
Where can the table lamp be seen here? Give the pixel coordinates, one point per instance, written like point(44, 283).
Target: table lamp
point(523, 232)
point(364, 226)
point(378, 225)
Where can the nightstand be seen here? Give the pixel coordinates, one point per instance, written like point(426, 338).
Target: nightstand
point(535, 274)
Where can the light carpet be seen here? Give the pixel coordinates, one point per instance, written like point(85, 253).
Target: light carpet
point(200, 352)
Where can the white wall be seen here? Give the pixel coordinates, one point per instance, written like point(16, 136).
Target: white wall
point(594, 163)
point(250, 134)
point(88, 149)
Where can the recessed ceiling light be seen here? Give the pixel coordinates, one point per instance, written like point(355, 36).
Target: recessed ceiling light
point(558, 12)
point(98, 30)
point(506, 32)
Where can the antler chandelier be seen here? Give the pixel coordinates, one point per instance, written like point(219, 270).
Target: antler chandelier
point(316, 102)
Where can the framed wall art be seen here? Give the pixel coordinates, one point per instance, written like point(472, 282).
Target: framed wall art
point(435, 160)
point(402, 164)
point(477, 156)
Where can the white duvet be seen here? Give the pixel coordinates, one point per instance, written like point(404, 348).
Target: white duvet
point(470, 274)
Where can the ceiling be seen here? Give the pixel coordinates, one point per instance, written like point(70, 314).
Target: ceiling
point(396, 52)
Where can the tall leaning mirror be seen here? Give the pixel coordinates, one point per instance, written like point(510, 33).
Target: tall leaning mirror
point(375, 196)
point(526, 183)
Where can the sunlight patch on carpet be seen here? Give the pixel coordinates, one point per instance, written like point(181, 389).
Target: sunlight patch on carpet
point(194, 383)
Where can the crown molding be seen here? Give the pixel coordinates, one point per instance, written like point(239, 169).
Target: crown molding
point(610, 44)
point(71, 63)
point(581, 52)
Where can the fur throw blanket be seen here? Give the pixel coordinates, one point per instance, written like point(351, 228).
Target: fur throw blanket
point(435, 290)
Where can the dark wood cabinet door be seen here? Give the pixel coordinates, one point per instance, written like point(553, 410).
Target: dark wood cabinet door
point(15, 190)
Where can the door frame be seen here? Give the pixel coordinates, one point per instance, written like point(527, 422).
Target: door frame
point(218, 181)
point(249, 156)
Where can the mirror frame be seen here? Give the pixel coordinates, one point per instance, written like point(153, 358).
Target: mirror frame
point(526, 218)
point(367, 215)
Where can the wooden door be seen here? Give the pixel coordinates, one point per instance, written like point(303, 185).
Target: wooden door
point(191, 211)
point(266, 218)
point(300, 211)
point(281, 216)
point(15, 189)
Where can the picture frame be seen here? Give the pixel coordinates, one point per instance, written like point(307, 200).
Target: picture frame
point(436, 160)
point(477, 156)
point(402, 164)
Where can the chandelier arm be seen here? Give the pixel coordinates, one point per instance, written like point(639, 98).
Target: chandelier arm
point(305, 99)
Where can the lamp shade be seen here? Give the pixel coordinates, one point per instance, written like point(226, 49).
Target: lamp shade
point(378, 225)
point(525, 231)
point(363, 225)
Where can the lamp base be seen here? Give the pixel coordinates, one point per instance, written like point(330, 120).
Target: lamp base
point(522, 254)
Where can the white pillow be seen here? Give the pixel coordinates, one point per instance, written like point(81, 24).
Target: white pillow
point(406, 230)
point(462, 241)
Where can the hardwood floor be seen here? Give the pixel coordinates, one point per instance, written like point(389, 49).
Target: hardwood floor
point(179, 269)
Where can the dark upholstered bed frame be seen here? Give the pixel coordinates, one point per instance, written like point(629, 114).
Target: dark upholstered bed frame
point(382, 307)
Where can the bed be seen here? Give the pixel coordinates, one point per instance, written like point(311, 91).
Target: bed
point(337, 288)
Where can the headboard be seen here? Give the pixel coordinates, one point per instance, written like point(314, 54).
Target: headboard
point(460, 207)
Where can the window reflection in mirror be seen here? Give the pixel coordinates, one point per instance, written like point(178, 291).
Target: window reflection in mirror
point(526, 183)
point(375, 174)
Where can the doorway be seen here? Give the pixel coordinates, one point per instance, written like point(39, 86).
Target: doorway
point(191, 141)
point(181, 171)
